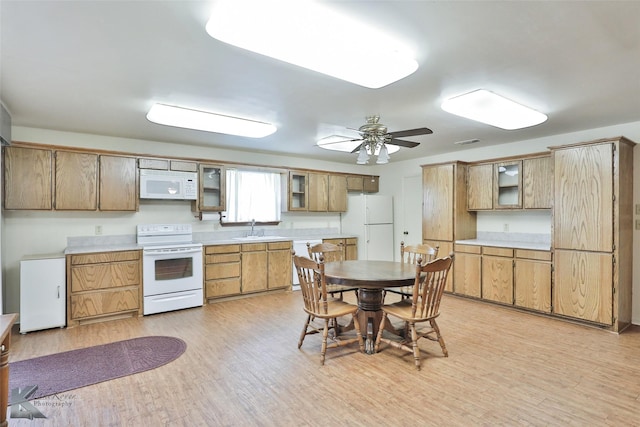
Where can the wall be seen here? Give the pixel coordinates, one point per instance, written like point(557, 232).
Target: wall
point(392, 174)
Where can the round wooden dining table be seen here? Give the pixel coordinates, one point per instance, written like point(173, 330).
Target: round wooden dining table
point(370, 277)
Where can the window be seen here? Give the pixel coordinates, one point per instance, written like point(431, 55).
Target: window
point(253, 194)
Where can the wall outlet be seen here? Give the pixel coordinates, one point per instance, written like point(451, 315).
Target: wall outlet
point(637, 224)
point(505, 228)
point(98, 230)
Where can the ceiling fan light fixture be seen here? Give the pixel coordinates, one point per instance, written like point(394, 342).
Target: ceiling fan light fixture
point(312, 36)
point(363, 157)
point(189, 118)
point(487, 107)
point(383, 156)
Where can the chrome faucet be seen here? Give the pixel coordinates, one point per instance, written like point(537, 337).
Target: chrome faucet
point(253, 224)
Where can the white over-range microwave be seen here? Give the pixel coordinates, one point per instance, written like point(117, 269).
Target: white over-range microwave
point(175, 185)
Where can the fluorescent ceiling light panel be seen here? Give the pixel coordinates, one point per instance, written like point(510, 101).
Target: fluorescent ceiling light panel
point(209, 122)
point(484, 106)
point(309, 35)
point(347, 144)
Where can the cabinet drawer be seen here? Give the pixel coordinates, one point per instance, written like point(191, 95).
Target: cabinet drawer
point(103, 257)
point(103, 276)
point(220, 288)
point(253, 247)
point(99, 303)
point(221, 271)
point(278, 245)
point(221, 249)
point(490, 250)
point(469, 249)
point(220, 258)
point(530, 254)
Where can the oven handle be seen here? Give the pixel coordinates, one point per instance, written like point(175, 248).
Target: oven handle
point(171, 251)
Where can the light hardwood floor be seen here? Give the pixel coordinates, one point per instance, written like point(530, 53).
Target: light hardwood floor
point(242, 368)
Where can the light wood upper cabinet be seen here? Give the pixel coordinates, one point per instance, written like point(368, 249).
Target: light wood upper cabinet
point(167, 164)
point(371, 184)
point(298, 191)
point(212, 188)
point(337, 193)
point(437, 202)
point(583, 214)
point(318, 192)
point(28, 168)
point(76, 181)
point(480, 187)
point(118, 184)
point(507, 185)
point(537, 183)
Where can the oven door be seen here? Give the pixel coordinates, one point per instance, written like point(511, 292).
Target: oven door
point(168, 270)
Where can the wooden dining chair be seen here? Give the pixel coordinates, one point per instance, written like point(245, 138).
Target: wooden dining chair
point(318, 306)
point(423, 306)
point(331, 253)
point(410, 254)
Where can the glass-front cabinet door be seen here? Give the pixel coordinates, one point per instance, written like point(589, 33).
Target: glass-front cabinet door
point(212, 188)
point(298, 191)
point(507, 190)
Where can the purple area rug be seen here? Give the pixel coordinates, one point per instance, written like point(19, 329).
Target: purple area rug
point(73, 369)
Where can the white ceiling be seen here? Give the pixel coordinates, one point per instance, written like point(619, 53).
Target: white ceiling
point(97, 67)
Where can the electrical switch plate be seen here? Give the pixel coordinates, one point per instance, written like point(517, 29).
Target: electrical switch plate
point(638, 209)
point(637, 224)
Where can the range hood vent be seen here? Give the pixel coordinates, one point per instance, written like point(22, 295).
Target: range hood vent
point(5, 125)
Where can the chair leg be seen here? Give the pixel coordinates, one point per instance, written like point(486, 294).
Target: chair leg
point(304, 331)
point(380, 329)
point(434, 325)
point(356, 324)
point(325, 333)
point(414, 345)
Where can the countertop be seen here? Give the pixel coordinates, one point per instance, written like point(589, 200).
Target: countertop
point(86, 244)
point(538, 242)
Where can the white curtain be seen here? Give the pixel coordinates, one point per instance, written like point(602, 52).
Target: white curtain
point(253, 195)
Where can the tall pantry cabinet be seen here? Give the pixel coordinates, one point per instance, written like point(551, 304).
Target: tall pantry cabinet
point(593, 231)
point(444, 209)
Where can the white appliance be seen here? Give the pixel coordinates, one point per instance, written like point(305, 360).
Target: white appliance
point(175, 185)
point(42, 293)
point(300, 249)
point(370, 218)
point(171, 267)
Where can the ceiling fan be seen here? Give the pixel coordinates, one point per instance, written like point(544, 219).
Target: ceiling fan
point(375, 132)
point(374, 139)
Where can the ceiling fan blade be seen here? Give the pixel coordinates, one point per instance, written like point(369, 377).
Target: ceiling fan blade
point(401, 143)
point(358, 148)
point(411, 132)
point(342, 141)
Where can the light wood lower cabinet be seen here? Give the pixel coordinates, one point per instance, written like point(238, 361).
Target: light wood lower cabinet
point(349, 245)
point(238, 269)
point(222, 271)
point(497, 274)
point(532, 280)
point(518, 277)
point(467, 270)
point(279, 265)
point(103, 286)
point(582, 287)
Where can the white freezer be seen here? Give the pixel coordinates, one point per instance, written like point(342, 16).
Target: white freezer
point(370, 218)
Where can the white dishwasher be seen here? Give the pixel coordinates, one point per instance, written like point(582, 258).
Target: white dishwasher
point(300, 248)
point(42, 292)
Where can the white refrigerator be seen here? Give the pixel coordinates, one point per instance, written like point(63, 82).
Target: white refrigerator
point(369, 217)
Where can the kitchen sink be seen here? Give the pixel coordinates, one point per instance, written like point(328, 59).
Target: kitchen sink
point(249, 238)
